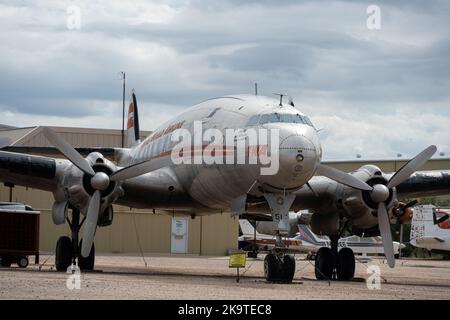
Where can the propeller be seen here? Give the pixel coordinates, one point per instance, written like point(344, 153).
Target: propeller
point(380, 193)
point(99, 182)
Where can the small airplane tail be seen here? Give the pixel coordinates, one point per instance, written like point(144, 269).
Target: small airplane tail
point(305, 234)
point(247, 228)
point(133, 123)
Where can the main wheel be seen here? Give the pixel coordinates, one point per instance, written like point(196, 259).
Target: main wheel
point(272, 268)
point(63, 253)
point(345, 269)
point(22, 262)
point(88, 262)
point(324, 264)
point(288, 268)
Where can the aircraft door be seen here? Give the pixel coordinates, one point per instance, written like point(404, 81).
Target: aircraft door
point(179, 235)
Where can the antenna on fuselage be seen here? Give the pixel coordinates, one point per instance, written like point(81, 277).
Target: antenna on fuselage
point(281, 98)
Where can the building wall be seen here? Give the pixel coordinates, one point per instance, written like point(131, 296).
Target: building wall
point(133, 230)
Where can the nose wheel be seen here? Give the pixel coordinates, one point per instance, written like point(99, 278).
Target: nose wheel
point(278, 265)
point(279, 268)
point(333, 265)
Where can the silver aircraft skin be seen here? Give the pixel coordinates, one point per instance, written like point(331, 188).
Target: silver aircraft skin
point(145, 176)
point(213, 187)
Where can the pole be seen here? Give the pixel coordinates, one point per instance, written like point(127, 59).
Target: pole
point(256, 88)
point(123, 110)
point(401, 241)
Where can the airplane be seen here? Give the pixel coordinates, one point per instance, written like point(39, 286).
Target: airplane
point(430, 229)
point(159, 173)
point(306, 241)
point(253, 242)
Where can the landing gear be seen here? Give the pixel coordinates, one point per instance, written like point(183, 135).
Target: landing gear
point(68, 250)
point(324, 264)
point(345, 268)
point(331, 264)
point(278, 265)
point(279, 268)
point(88, 262)
point(63, 254)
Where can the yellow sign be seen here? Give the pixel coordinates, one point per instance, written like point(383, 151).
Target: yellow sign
point(237, 260)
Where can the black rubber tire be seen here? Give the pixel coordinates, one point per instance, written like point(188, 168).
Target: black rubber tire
point(22, 262)
point(252, 254)
point(63, 253)
point(345, 269)
point(272, 268)
point(6, 262)
point(324, 264)
point(86, 264)
point(288, 268)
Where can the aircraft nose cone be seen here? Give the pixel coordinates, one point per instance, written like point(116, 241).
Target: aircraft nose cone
point(297, 160)
point(298, 155)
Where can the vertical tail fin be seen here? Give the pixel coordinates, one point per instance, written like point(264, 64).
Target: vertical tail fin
point(133, 123)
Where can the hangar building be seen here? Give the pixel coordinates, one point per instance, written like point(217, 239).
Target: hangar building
point(134, 231)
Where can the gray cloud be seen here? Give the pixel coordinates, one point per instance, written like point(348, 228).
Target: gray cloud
point(177, 53)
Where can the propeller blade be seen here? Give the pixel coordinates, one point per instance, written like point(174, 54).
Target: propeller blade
point(342, 177)
point(67, 150)
point(90, 224)
point(138, 169)
point(411, 166)
point(385, 231)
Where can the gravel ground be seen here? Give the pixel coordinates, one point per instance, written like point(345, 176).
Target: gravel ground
point(192, 277)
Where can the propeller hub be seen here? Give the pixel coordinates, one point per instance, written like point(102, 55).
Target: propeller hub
point(100, 181)
point(380, 193)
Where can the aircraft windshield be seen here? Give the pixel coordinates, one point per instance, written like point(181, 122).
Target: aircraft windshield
point(279, 117)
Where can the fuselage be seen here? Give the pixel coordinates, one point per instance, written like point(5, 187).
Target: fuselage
point(214, 170)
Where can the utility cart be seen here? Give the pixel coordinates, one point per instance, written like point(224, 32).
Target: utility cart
point(19, 234)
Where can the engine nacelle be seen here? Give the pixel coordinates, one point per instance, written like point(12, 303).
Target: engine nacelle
point(78, 189)
point(358, 205)
point(59, 212)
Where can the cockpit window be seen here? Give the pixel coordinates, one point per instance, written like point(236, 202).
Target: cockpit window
point(279, 117)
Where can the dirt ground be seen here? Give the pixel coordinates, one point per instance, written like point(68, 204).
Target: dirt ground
point(192, 277)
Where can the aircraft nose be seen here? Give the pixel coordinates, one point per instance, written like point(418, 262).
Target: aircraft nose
point(298, 157)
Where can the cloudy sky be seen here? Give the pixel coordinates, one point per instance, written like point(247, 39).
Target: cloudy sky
point(373, 92)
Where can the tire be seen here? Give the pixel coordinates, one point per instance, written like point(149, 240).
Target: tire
point(6, 262)
point(324, 264)
point(345, 269)
point(22, 262)
point(272, 268)
point(252, 254)
point(288, 268)
point(86, 264)
point(63, 253)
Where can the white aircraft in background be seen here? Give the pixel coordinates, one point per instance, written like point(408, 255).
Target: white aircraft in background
point(306, 241)
point(146, 175)
point(430, 229)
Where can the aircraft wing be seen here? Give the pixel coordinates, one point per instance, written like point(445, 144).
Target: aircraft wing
point(158, 189)
point(31, 171)
point(109, 153)
point(323, 193)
